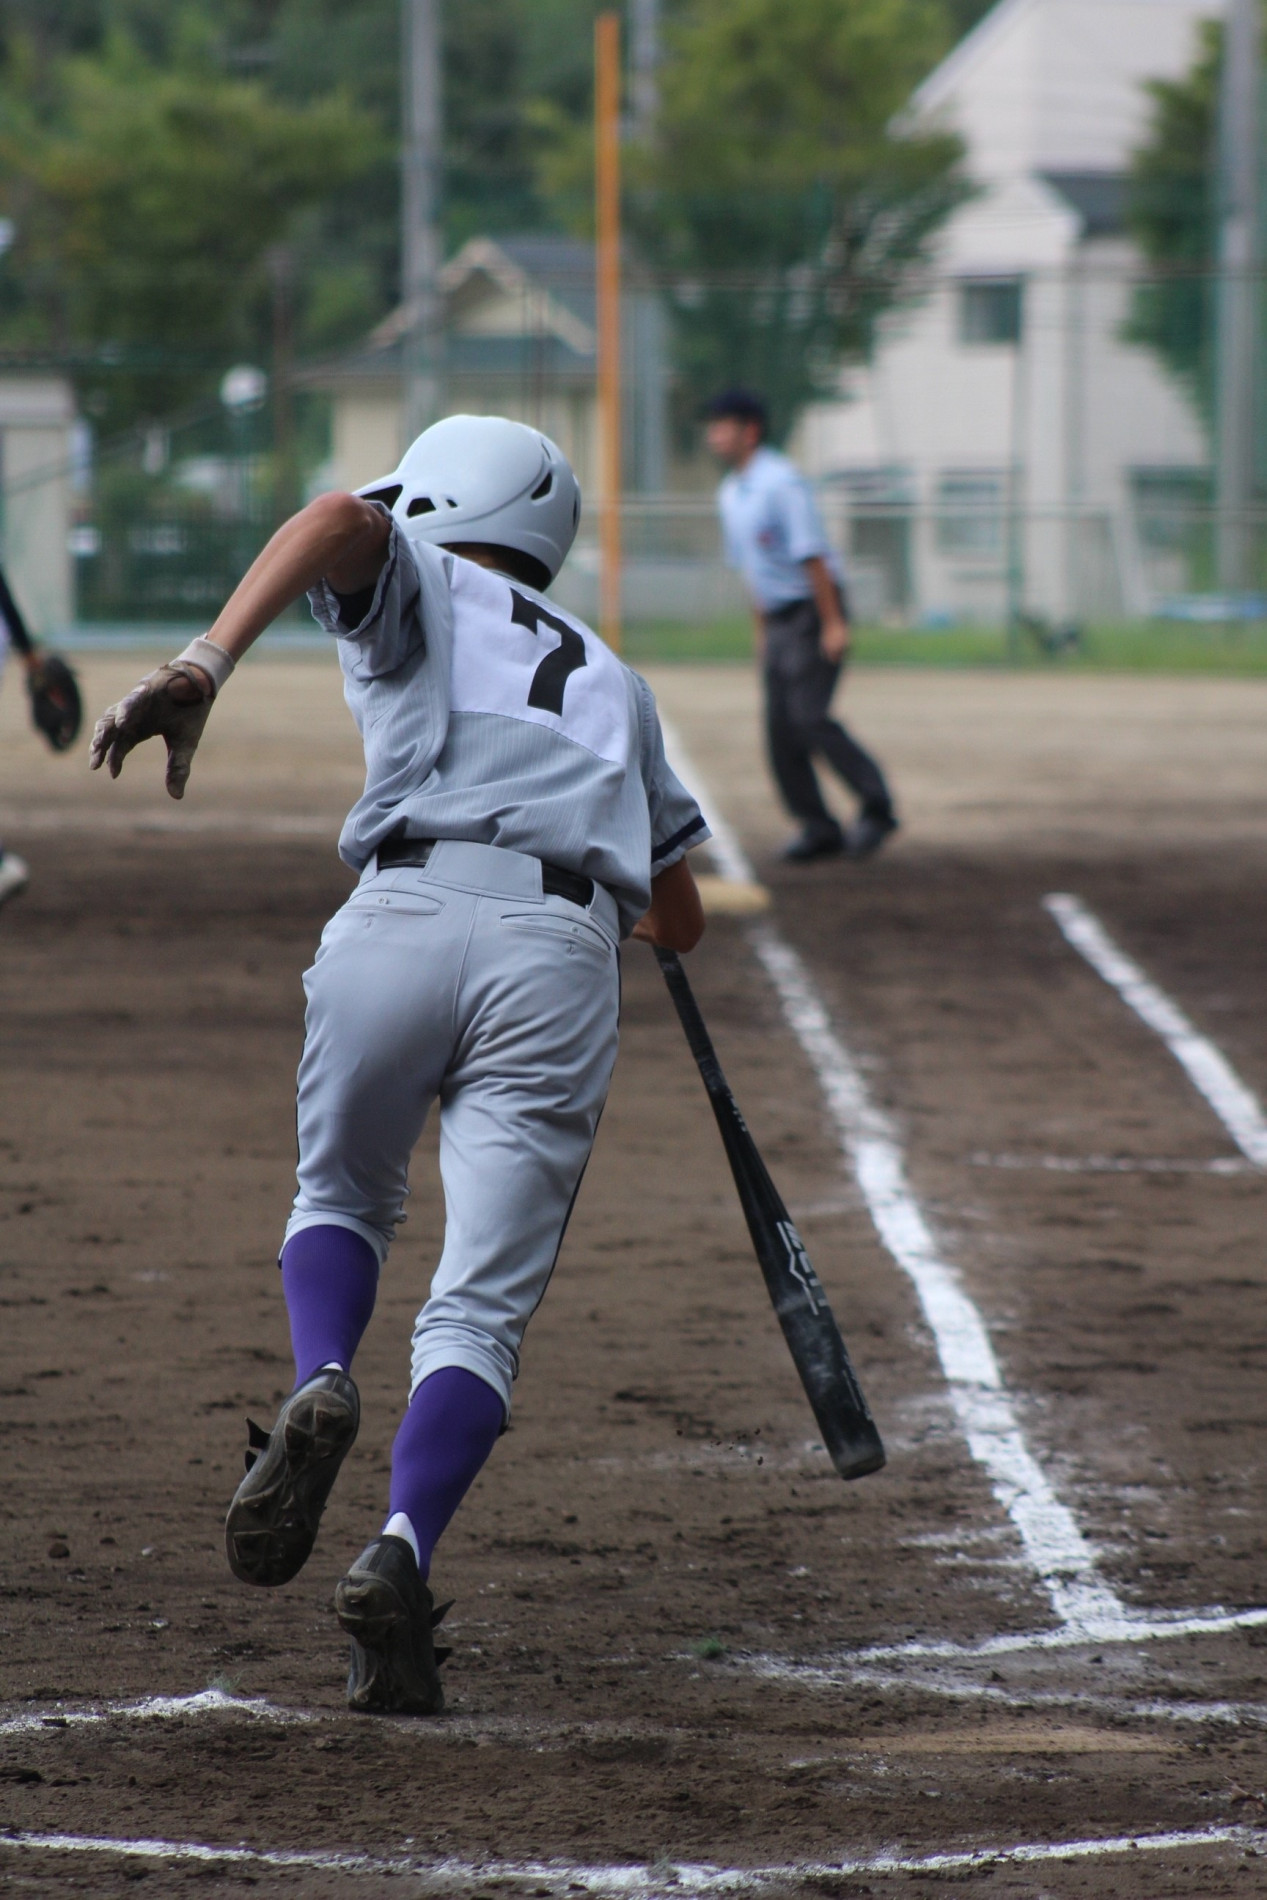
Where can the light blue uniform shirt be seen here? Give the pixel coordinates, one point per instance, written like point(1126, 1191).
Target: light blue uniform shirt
point(489, 714)
point(771, 527)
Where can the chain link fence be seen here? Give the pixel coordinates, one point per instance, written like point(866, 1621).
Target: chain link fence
point(1009, 458)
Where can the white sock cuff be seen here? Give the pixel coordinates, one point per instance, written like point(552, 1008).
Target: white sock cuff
point(398, 1525)
point(214, 661)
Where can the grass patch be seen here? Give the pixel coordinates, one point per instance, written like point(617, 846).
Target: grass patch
point(709, 640)
point(709, 1648)
point(1142, 646)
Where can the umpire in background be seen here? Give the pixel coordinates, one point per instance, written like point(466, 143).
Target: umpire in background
point(774, 536)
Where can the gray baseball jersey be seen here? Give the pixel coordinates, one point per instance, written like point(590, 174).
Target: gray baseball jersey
point(490, 715)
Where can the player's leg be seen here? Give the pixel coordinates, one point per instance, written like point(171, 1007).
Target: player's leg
point(519, 1108)
point(378, 1031)
point(810, 685)
point(790, 740)
point(384, 1603)
point(330, 1282)
point(859, 770)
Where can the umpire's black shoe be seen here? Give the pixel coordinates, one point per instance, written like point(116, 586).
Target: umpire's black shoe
point(290, 1472)
point(815, 842)
point(867, 833)
point(390, 1615)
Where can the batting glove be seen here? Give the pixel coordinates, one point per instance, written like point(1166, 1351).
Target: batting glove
point(171, 703)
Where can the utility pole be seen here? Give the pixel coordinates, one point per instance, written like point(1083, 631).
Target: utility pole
point(607, 195)
point(280, 259)
point(644, 63)
point(1240, 256)
point(421, 251)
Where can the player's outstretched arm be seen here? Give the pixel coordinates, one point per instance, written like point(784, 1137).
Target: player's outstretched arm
point(337, 537)
point(675, 920)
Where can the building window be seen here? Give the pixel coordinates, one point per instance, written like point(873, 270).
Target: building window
point(971, 511)
point(990, 310)
point(1172, 505)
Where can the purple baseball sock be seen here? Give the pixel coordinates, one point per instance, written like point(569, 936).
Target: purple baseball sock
point(453, 1422)
point(329, 1277)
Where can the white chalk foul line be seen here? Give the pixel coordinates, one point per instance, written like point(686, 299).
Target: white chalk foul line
point(967, 1688)
point(1114, 1164)
point(155, 1708)
point(835, 1670)
point(1060, 1555)
point(1236, 1106)
point(677, 1877)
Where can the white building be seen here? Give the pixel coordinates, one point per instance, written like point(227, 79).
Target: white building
point(1003, 439)
point(37, 417)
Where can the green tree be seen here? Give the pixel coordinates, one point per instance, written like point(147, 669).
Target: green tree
point(503, 59)
point(964, 14)
point(152, 150)
point(1171, 211)
point(145, 209)
point(500, 56)
point(781, 199)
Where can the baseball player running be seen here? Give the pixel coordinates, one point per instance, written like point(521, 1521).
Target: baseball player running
point(518, 821)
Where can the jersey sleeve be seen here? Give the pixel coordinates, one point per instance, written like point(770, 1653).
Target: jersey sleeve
point(394, 614)
point(802, 525)
point(677, 823)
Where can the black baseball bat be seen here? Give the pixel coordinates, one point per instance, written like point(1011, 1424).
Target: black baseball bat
point(809, 1325)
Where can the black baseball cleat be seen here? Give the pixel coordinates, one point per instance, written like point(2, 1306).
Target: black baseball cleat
point(815, 844)
point(867, 833)
point(290, 1472)
point(390, 1615)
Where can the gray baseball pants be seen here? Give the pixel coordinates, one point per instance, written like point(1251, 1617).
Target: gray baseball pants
point(459, 982)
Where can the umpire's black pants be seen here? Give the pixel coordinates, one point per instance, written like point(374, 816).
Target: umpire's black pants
point(799, 683)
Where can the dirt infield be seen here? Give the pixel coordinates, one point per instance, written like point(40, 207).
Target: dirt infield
point(661, 1589)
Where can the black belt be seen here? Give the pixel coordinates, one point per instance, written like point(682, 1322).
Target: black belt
point(787, 608)
point(555, 881)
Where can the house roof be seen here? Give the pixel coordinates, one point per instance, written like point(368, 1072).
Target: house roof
point(565, 265)
point(513, 306)
point(1058, 85)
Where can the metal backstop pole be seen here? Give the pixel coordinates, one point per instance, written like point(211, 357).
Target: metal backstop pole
point(607, 189)
point(1238, 291)
point(420, 239)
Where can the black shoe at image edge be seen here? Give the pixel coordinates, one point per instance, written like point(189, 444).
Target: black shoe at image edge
point(389, 1613)
point(272, 1522)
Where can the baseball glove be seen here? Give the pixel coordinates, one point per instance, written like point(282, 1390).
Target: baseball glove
point(56, 708)
point(169, 703)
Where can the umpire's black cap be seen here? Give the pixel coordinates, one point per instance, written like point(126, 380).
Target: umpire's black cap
point(741, 405)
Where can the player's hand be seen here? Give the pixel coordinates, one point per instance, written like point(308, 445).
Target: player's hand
point(835, 639)
point(171, 704)
point(675, 920)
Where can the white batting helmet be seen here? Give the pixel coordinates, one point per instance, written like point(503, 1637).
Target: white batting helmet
point(486, 479)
